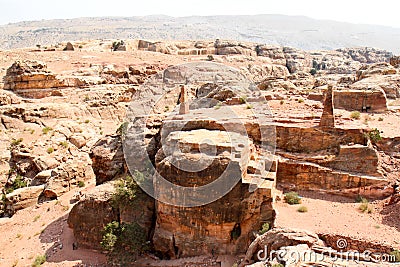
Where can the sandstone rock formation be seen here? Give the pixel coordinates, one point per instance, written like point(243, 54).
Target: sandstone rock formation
point(32, 79)
point(328, 118)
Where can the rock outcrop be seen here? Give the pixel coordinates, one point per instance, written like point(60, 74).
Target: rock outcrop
point(32, 79)
point(108, 158)
point(328, 118)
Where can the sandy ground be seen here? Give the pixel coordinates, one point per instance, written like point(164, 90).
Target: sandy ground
point(341, 215)
point(43, 230)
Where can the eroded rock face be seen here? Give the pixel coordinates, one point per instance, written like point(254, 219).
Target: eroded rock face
point(32, 79)
point(221, 227)
point(88, 217)
point(328, 119)
point(108, 158)
point(361, 100)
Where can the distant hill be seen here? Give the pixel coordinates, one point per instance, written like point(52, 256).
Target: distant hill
point(295, 31)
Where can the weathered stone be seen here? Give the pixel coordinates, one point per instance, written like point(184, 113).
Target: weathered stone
point(89, 216)
point(78, 140)
point(22, 198)
point(366, 100)
point(108, 158)
point(328, 118)
point(32, 79)
point(69, 47)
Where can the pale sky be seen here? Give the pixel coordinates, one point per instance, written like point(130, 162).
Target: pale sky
point(381, 12)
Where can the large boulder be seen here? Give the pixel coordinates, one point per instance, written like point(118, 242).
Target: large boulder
point(108, 158)
point(32, 79)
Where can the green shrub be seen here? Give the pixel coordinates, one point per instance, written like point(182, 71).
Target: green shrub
point(361, 199)
point(123, 128)
point(81, 184)
point(292, 198)
point(301, 100)
point(265, 228)
point(375, 135)
point(19, 183)
point(50, 150)
point(302, 209)
point(16, 142)
point(39, 261)
point(124, 241)
point(396, 254)
point(127, 190)
point(87, 121)
point(64, 144)
point(248, 106)
point(243, 99)
point(364, 207)
point(278, 265)
point(355, 115)
point(46, 130)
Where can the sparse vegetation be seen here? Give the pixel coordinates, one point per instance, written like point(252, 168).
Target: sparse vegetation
point(302, 209)
point(64, 144)
point(248, 106)
point(18, 182)
point(210, 58)
point(123, 242)
point(355, 115)
point(380, 119)
point(39, 261)
point(361, 199)
point(396, 254)
point(46, 130)
point(243, 99)
point(123, 128)
point(16, 142)
point(278, 265)
point(265, 228)
point(36, 218)
point(50, 150)
point(81, 184)
point(292, 198)
point(374, 135)
point(282, 102)
point(126, 190)
point(87, 121)
point(218, 105)
point(365, 207)
point(19, 236)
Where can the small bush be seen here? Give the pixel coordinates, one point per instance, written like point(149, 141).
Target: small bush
point(123, 128)
point(210, 58)
point(19, 183)
point(361, 199)
point(292, 198)
point(64, 144)
point(265, 228)
point(396, 254)
point(302, 209)
point(282, 102)
point(278, 265)
point(248, 106)
point(301, 100)
point(364, 207)
point(36, 218)
point(355, 115)
point(375, 135)
point(39, 261)
point(81, 184)
point(50, 150)
point(16, 142)
point(218, 105)
point(46, 130)
point(87, 121)
point(380, 119)
point(243, 99)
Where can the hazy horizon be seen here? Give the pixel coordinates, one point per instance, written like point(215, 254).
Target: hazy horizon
point(356, 12)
